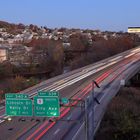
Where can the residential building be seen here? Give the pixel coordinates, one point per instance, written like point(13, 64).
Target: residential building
point(17, 54)
point(134, 30)
point(3, 53)
point(66, 45)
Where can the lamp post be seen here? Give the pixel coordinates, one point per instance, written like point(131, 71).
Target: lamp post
point(94, 83)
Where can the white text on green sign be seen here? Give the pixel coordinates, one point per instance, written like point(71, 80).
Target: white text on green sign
point(46, 106)
point(64, 100)
point(48, 93)
point(16, 95)
point(19, 107)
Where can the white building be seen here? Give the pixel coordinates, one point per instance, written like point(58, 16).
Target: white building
point(3, 54)
point(1, 39)
point(134, 30)
point(66, 45)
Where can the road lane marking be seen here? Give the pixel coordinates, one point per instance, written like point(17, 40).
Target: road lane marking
point(115, 58)
point(74, 137)
point(129, 55)
point(6, 117)
point(56, 131)
point(1, 121)
point(90, 114)
point(69, 117)
point(93, 67)
point(136, 50)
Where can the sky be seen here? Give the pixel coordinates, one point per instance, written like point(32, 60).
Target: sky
point(111, 15)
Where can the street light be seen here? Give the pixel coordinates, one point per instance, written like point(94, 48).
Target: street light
point(9, 119)
point(93, 99)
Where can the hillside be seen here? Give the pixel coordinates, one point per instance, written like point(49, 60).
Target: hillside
point(4, 24)
point(122, 118)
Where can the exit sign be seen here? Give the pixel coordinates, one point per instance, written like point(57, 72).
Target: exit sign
point(18, 107)
point(46, 106)
point(48, 93)
point(16, 95)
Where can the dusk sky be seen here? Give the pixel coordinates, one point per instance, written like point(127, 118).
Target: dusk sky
point(114, 15)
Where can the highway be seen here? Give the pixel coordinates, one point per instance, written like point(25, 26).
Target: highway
point(73, 85)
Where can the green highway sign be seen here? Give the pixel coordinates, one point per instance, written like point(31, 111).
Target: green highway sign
point(48, 93)
point(18, 107)
point(16, 95)
point(64, 100)
point(46, 106)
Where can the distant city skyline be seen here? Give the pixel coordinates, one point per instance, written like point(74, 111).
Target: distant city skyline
point(110, 15)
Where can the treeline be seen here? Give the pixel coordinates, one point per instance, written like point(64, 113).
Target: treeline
point(100, 49)
point(49, 56)
point(17, 84)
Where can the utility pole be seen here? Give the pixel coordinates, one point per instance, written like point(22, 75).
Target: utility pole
point(94, 83)
point(86, 120)
point(92, 95)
